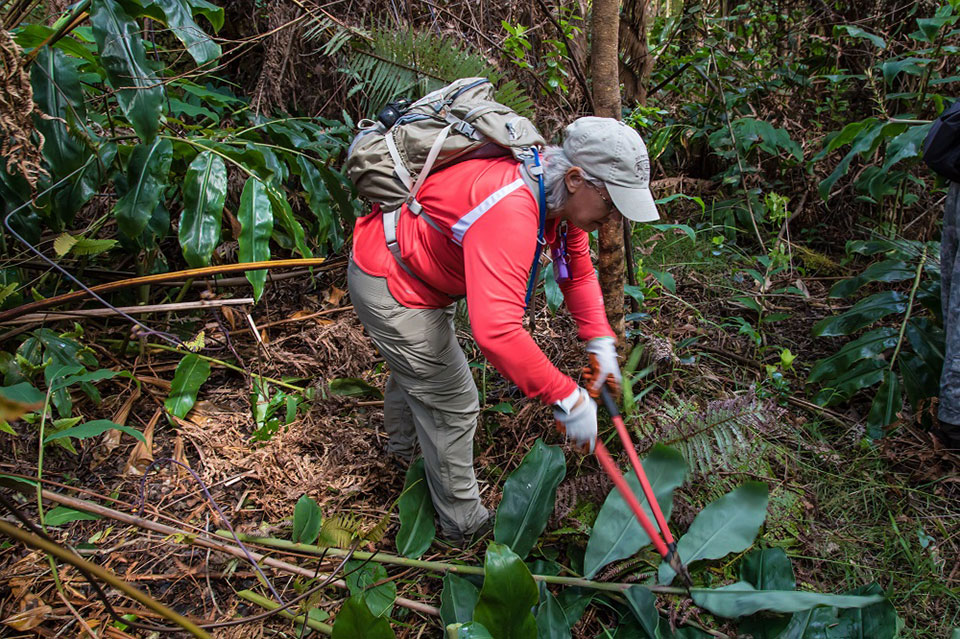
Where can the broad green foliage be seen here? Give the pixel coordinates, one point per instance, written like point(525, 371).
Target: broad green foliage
point(147, 174)
point(471, 630)
point(191, 373)
point(307, 519)
point(353, 387)
point(256, 226)
point(616, 533)
point(457, 600)
point(139, 90)
point(877, 621)
point(507, 596)
point(92, 429)
point(768, 569)
point(416, 513)
point(741, 599)
point(361, 578)
point(528, 498)
point(552, 622)
point(642, 604)
point(916, 336)
point(727, 525)
point(62, 515)
point(178, 16)
point(355, 621)
point(204, 192)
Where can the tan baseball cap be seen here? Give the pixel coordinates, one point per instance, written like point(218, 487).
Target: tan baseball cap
point(611, 151)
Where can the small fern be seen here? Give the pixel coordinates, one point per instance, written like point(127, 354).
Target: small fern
point(723, 436)
point(340, 531)
point(411, 64)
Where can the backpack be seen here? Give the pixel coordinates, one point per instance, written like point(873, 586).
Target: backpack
point(389, 159)
point(941, 148)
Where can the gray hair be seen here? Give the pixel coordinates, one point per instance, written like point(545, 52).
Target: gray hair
point(555, 166)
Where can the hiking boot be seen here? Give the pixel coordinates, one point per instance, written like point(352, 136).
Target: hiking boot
point(948, 434)
point(461, 540)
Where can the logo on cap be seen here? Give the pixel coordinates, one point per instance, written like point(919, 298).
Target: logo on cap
point(642, 167)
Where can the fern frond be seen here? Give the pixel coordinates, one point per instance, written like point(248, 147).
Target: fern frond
point(340, 531)
point(723, 436)
point(411, 64)
point(375, 534)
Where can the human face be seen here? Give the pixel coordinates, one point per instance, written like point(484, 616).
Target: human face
point(589, 206)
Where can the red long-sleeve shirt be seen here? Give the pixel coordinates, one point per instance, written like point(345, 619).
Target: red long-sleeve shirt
point(484, 252)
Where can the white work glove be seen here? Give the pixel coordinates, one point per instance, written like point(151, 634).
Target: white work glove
point(576, 417)
point(602, 352)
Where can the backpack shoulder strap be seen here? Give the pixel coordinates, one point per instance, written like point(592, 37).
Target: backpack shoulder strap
point(532, 172)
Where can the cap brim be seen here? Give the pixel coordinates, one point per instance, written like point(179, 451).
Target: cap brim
point(634, 204)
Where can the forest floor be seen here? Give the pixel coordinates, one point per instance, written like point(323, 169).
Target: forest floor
point(846, 512)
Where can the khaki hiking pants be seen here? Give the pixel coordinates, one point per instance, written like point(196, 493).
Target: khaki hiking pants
point(430, 397)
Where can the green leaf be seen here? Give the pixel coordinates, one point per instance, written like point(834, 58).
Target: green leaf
point(906, 146)
point(192, 372)
point(57, 91)
point(62, 515)
point(147, 174)
point(768, 569)
point(616, 533)
point(179, 19)
point(665, 278)
point(457, 599)
point(307, 519)
point(139, 91)
point(740, 599)
point(507, 596)
point(551, 289)
point(92, 376)
point(886, 404)
point(857, 32)
point(361, 578)
point(642, 604)
point(256, 227)
point(471, 630)
point(866, 136)
point(18, 399)
point(862, 375)
point(862, 314)
point(210, 11)
point(551, 620)
point(283, 213)
point(886, 271)
point(911, 66)
point(682, 227)
point(90, 247)
point(355, 621)
point(92, 429)
point(416, 513)
point(204, 192)
point(353, 387)
point(730, 524)
point(529, 496)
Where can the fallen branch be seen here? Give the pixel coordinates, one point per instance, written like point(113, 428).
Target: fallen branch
point(156, 279)
point(263, 602)
point(131, 310)
point(439, 566)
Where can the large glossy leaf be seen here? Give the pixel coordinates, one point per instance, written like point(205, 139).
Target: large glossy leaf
point(768, 569)
point(307, 519)
point(887, 402)
point(139, 91)
point(507, 596)
point(863, 313)
point(616, 533)
point(284, 214)
point(361, 577)
point(730, 524)
point(92, 429)
point(919, 380)
point(740, 599)
point(56, 89)
point(256, 226)
point(147, 175)
point(643, 605)
point(927, 340)
point(457, 599)
point(863, 374)
point(551, 620)
point(868, 345)
point(528, 498)
point(192, 372)
point(416, 513)
point(355, 621)
point(179, 19)
point(204, 191)
point(878, 621)
point(885, 271)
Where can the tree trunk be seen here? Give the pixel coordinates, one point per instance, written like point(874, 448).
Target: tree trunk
point(606, 100)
